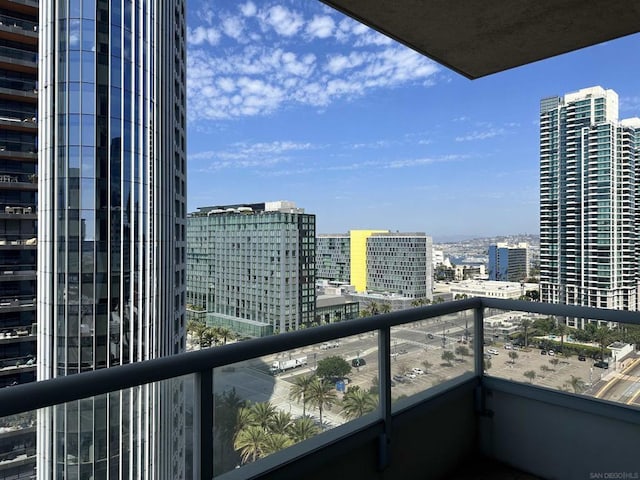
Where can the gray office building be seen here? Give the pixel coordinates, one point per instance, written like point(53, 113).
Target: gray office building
point(251, 267)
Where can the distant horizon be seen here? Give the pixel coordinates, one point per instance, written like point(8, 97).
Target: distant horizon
point(292, 101)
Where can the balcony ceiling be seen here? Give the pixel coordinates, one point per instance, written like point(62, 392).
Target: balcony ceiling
point(481, 37)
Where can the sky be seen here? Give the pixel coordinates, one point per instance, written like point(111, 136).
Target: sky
point(291, 100)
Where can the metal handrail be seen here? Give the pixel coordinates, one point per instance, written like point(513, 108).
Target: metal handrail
point(31, 396)
point(36, 395)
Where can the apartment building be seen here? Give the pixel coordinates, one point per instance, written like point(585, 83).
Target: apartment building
point(589, 244)
point(18, 224)
point(251, 267)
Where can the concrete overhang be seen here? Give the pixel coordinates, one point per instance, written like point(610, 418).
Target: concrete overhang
point(480, 37)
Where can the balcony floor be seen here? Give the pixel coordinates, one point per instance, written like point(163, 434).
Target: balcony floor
point(488, 469)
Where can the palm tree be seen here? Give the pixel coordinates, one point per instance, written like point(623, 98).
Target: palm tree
point(526, 324)
point(561, 329)
point(280, 422)
point(321, 395)
point(385, 307)
point(577, 384)
point(244, 418)
point(602, 336)
point(303, 428)
point(513, 356)
point(250, 443)
point(374, 308)
point(225, 334)
point(262, 414)
point(274, 442)
point(300, 389)
point(197, 329)
point(357, 402)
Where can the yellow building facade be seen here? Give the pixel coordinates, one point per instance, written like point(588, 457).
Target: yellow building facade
point(358, 241)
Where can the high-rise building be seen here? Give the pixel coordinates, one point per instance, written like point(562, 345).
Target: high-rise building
point(251, 267)
point(508, 263)
point(111, 238)
point(378, 261)
point(589, 208)
point(18, 242)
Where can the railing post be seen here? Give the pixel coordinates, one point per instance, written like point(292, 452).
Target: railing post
point(478, 335)
point(203, 439)
point(384, 374)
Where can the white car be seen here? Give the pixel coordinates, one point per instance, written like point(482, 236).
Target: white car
point(410, 375)
point(551, 352)
point(493, 351)
point(417, 371)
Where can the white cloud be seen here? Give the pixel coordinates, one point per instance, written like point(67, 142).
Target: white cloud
point(481, 135)
point(284, 21)
point(233, 27)
point(267, 58)
point(200, 35)
point(321, 27)
point(248, 9)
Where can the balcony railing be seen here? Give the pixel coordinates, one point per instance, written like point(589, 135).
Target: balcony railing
point(424, 363)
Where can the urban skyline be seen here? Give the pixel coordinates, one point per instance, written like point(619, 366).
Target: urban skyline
point(464, 153)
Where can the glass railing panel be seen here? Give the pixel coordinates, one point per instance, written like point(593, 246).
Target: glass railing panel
point(579, 356)
point(267, 404)
point(114, 435)
point(427, 353)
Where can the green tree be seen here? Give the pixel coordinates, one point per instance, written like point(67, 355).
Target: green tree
point(545, 368)
point(385, 307)
point(577, 384)
point(226, 334)
point(561, 329)
point(526, 324)
point(299, 390)
point(513, 356)
point(462, 351)
point(374, 308)
point(426, 365)
point(262, 414)
point(197, 330)
point(321, 395)
point(554, 361)
point(419, 302)
point(333, 367)
point(603, 337)
point(250, 442)
point(530, 374)
point(280, 422)
point(544, 325)
point(357, 402)
point(274, 442)
point(303, 428)
point(448, 357)
point(438, 300)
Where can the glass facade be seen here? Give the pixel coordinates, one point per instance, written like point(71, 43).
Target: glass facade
point(112, 210)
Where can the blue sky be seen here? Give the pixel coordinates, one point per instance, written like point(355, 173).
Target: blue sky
point(291, 100)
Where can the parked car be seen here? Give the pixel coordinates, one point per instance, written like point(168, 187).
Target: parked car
point(507, 346)
point(543, 352)
point(601, 364)
point(430, 336)
point(551, 352)
point(410, 375)
point(358, 362)
point(417, 371)
point(493, 351)
point(327, 346)
point(398, 378)
point(582, 358)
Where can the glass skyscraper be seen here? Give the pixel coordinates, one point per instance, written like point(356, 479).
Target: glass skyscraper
point(111, 249)
point(589, 229)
